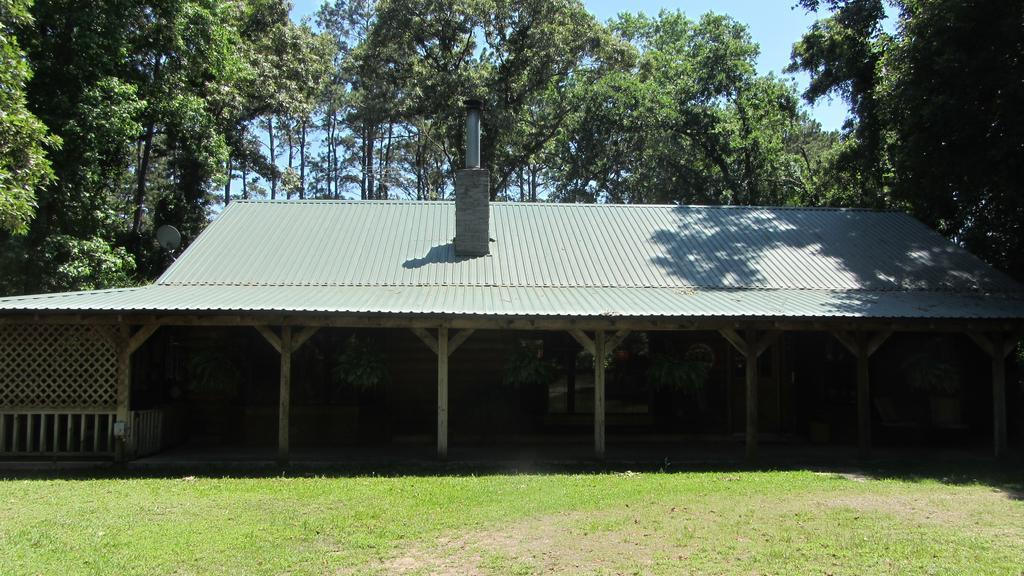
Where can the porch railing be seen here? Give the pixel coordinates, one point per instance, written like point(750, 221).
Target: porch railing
point(57, 432)
point(148, 428)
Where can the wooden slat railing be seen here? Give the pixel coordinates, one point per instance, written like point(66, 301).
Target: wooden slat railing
point(56, 432)
point(148, 430)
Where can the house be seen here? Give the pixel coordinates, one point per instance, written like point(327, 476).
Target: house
point(822, 324)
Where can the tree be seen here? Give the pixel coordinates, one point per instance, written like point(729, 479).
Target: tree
point(687, 120)
point(147, 98)
point(936, 126)
point(951, 95)
point(23, 137)
point(842, 54)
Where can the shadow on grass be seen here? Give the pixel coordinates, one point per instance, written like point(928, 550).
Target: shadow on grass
point(949, 469)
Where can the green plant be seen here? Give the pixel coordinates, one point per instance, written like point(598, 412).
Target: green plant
point(527, 366)
point(925, 372)
point(687, 373)
point(359, 366)
point(933, 368)
point(213, 372)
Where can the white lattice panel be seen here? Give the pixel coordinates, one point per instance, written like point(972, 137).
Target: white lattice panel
point(56, 366)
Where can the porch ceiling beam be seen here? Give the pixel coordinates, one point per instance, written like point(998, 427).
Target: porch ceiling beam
point(270, 337)
point(458, 340)
point(303, 336)
point(427, 338)
point(849, 341)
point(527, 323)
point(766, 340)
point(735, 339)
point(584, 340)
point(862, 343)
point(875, 342)
point(613, 342)
point(988, 343)
point(135, 341)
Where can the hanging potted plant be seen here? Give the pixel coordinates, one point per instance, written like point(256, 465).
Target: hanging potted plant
point(940, 379)
point(680, 379)
point(528, 371)
point(359, 368)
point(214, 381)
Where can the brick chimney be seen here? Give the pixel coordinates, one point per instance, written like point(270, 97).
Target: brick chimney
point(472, 192)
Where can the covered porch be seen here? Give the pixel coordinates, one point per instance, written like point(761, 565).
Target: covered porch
point(270, 388)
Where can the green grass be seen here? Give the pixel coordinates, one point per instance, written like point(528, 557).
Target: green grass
point(796, 522)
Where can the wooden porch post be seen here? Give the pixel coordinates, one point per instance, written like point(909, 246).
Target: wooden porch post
point(444, 348)
point(998, 347)
point(863, 405)
point(999, 438)
point(442, 392)
point(126, 343)
point(285, 345)
point(751, 345)
point(862, 345)
point(599, 379)
point(124, 391)
point(752, 434)
point(284, 407)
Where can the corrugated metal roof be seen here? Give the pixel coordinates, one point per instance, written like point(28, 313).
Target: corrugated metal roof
point(565, 260)
point(532, 301)
point(578, 245)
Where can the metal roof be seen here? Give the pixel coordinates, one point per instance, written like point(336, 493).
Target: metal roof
point(566, 260)
point(531, 301)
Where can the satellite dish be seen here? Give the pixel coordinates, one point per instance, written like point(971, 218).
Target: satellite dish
point(168, 237)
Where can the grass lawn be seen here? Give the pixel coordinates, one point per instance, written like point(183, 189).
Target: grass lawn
point(790, 522)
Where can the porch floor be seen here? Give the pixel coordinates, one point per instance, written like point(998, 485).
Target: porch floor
point(523, 455)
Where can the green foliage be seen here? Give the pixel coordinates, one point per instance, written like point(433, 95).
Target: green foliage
point(526, 366)
point(842, 54)
point(932, 370)
point(84, 264)
point(212, 370)
point(687, 120)
point(936, 125)
point(952, 104)
point(360, 366)
point(24, 166)
point(687, 373)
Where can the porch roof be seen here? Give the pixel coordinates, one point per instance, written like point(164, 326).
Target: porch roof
point(564, 260)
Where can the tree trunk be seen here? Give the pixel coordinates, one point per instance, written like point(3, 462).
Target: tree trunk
point(147, 147)
point(291, 153)
point(419, 166)
point(140, 189)
point(302, 161)
point(273, 158)
point(385, 165)
point(369, 143)
point(227, 184)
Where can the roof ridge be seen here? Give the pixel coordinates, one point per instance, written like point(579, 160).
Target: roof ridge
point(587, 205)
point(703, 287)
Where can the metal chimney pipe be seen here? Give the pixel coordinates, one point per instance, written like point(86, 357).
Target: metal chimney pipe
point(473, 109)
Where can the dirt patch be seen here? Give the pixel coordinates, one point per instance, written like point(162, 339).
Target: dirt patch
point(644, 538)
point(945, 508)
point(564, 543)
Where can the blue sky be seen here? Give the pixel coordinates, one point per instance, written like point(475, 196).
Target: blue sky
point(774, 24)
